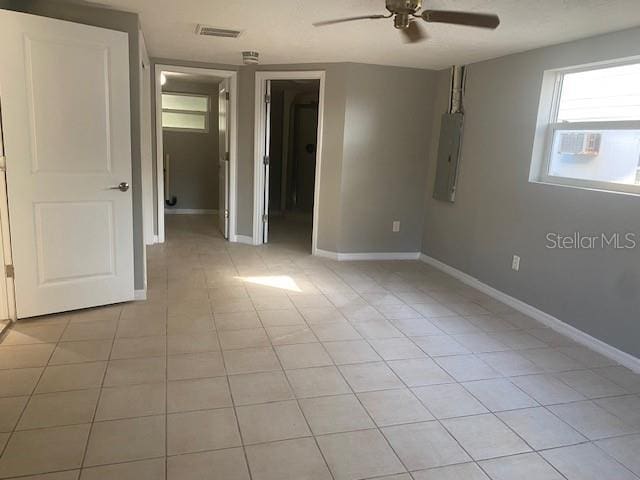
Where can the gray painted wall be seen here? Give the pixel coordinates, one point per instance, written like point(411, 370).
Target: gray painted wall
point(384, 163)
point(80, 12)
point(194, 155)
point(498, 212)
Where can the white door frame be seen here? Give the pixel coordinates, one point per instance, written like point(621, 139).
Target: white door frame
point(259, 149)
point(232, 75)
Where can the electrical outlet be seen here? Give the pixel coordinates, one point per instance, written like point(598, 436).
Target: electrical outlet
point(515, 264)
point(396, 226)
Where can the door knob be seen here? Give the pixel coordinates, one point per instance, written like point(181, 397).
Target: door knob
point(122, 186)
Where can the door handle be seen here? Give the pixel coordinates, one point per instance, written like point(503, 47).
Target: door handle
point(122, 186)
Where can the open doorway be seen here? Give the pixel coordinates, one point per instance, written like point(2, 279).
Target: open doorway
point(195, 120)
point(288, 165)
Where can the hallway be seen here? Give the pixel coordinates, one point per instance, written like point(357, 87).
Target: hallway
point(270, 364)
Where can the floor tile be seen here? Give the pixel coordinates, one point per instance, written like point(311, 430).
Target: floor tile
point(316, 315)
point(528, 466)
point(251, 360)
point(192, 343)
point(392, 407)
point(448, 401)
point(342, 413)
point(229, 464)
point(510, 364)
point(286, 460)
point(273, 318)
point(141, 470)
point(484, 436)
point(20, 381)
point(463, 471)
point(44, 450)
point(139, 347)
point(416, 327)
point(592, 421)
point(141, 327)
point(424, 445)
point(198, 394)
point(247, 338)
point(378, 329)
point(624, 450)
point(80, 352)
point(622, 376)
point(303, 356)
point(546, 389)
point(590, 384)
point(353, 351)
point(586, 462)
point(360, 454)
point(118, 441)
point(237, 320)
point(254, 388)
point(269, 422)
point(370, 376)
point(418, 372)
point(10, 411)
point(89, 331)
point(135, 371)
point(25, 356)
point(71, 377)
point(58, 409)
point(130, 401)
point(397, 349)
point(465, 368)
point(499, 394)
point(440, 345)
point(30, 333)
point(315, 382)
point(195, 365)
point(626, 408)
point(333, 332)
point(291, 335)
point(202, 430)
point(540, 428)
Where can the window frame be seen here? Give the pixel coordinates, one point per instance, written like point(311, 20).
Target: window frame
point(206, 113)
point(554, 126)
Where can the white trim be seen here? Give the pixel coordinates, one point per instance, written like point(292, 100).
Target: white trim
point(258, 148)
point(232, 75)
point(139, 295)
point(189, 211)
point(550, 321)
point(246, 239)
point(349, 257)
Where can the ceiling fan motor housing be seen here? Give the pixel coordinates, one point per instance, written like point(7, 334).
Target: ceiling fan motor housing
point(404, 6)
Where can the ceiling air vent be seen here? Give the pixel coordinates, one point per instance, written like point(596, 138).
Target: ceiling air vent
point(216, 32)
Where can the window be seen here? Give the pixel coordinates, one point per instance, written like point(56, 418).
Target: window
point(593, 138)
point(183, 111)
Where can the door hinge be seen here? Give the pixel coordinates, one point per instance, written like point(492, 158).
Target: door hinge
point(9, 271)
point(267, 98)
point(227, 95)
point(3, 163)
point(227, 157)
point(265, 218)
point(265, 160)
point(226, 214)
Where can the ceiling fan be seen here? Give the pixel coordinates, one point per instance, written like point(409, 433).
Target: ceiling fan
point(404, 13)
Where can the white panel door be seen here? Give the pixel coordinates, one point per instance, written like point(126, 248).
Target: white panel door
point(223, 156)
point(64, 89)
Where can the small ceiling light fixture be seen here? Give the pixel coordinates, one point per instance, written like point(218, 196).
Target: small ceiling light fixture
point(250, 58)
point(163, 78)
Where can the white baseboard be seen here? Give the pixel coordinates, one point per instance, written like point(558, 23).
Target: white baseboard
point(189, 211)
point(550, 321)
point(244, 239)
point(139, 295)
point(341, 257)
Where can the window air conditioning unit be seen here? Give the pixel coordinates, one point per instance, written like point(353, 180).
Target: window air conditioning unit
point(574, 143)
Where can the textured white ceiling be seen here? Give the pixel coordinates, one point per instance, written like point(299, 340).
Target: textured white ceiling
point(281, 30)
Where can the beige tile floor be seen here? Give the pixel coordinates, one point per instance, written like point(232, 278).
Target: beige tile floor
point(269, 364)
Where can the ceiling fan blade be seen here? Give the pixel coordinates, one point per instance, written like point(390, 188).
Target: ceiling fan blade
point(414, 33)
point(482, 20)
point(349, 19)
